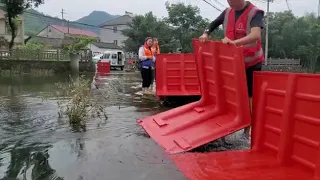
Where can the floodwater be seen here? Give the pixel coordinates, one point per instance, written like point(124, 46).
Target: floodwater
point(35, 144)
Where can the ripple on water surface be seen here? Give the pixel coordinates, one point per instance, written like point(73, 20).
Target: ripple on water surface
point(36, 144)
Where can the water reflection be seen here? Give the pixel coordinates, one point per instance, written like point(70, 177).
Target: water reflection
point(36, 144)
point(27, 162)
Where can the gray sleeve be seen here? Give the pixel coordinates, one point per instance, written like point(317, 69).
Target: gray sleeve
point(216, 23)
point(257, 20)
point(141, 54)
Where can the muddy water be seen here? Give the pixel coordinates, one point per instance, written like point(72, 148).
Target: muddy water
point(36, 145)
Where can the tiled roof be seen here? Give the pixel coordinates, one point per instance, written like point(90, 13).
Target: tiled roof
point(74, 31)
point(125, 19)
point(106, 45)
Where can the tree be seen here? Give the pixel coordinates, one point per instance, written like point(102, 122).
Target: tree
point(293, 37)
point(74, 44)
point(146, 26)
point(14, 8)
point(187, 23)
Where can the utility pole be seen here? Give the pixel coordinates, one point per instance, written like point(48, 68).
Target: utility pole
point(319, 9)
point(62, 13)
point(267, 33)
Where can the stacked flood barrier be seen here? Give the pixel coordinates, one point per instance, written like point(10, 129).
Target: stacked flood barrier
point(286, 122)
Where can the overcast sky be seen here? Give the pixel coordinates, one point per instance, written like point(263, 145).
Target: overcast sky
point(78, 8)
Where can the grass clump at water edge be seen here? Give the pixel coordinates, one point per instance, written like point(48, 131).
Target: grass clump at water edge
point(79, 105)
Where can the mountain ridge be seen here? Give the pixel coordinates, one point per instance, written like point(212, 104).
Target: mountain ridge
point(35, 21)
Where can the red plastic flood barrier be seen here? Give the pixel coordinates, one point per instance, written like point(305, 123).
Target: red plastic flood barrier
point(177, 75)
point(222, 109)
point(287, 118)
point(103, 68)
point(285, 135)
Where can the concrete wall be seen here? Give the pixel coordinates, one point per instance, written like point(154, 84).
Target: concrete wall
point(56, 66)
point(51, 32)
point(107, 35)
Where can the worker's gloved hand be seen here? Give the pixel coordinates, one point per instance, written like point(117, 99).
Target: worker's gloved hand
point(204, 37)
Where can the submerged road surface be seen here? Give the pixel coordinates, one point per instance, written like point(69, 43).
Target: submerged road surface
point(36, 145)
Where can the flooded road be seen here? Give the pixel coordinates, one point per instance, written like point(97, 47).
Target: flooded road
point(35, 144)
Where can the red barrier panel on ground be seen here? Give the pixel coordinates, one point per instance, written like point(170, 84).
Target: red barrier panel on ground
point(223, 108)
point(236, 165)
point(285, 137)
point(103, 68)
point(176, 75)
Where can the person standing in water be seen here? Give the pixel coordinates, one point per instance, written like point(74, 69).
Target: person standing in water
point(146, 57)
point(156, 51)
point(242, 24)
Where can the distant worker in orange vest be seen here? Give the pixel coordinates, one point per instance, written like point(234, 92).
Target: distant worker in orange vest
point(242, 24)
point(146, 57)
point(156, 50)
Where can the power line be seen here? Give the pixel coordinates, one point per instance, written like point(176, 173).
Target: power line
point(267, 33)
point(212, 5)
point(220, 3)
point(288, 5)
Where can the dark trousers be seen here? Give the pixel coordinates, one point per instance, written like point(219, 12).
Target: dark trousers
point(146, 77)
point(153, 75)
point(249, 74)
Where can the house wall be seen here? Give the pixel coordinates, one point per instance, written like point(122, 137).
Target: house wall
point(107, 35)
point(6, 34)
point(51, 32)
point(94, 49)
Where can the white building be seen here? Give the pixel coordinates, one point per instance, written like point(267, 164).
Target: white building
point(100, 47)
point(111, 30)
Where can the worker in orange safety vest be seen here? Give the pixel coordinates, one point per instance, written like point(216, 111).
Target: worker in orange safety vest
point(156, 51)
point(146, 57)
point(242, 25)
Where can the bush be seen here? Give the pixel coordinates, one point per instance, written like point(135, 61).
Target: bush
point(79, 105)
point(31, 46)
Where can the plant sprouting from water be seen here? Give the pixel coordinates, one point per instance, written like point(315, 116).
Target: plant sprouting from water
point(79, 105)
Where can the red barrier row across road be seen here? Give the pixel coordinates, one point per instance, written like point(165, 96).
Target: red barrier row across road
point(285, 137)
point(222, 109)
point(285, 119)
point(177, 75)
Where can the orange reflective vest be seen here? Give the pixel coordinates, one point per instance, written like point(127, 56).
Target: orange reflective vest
point(233, 30)
point(156, 49)
point(148, 62)
point(148, 51)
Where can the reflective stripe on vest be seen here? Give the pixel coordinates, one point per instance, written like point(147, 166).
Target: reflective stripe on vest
point(251, 14)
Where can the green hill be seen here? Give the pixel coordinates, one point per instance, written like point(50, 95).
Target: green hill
point(96, 18)
point(36, 21)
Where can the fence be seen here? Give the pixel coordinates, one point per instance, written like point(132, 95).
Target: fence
point(283, 62)
point(40, 55)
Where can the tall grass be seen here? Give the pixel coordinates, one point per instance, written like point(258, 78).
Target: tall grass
point(79, 106)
